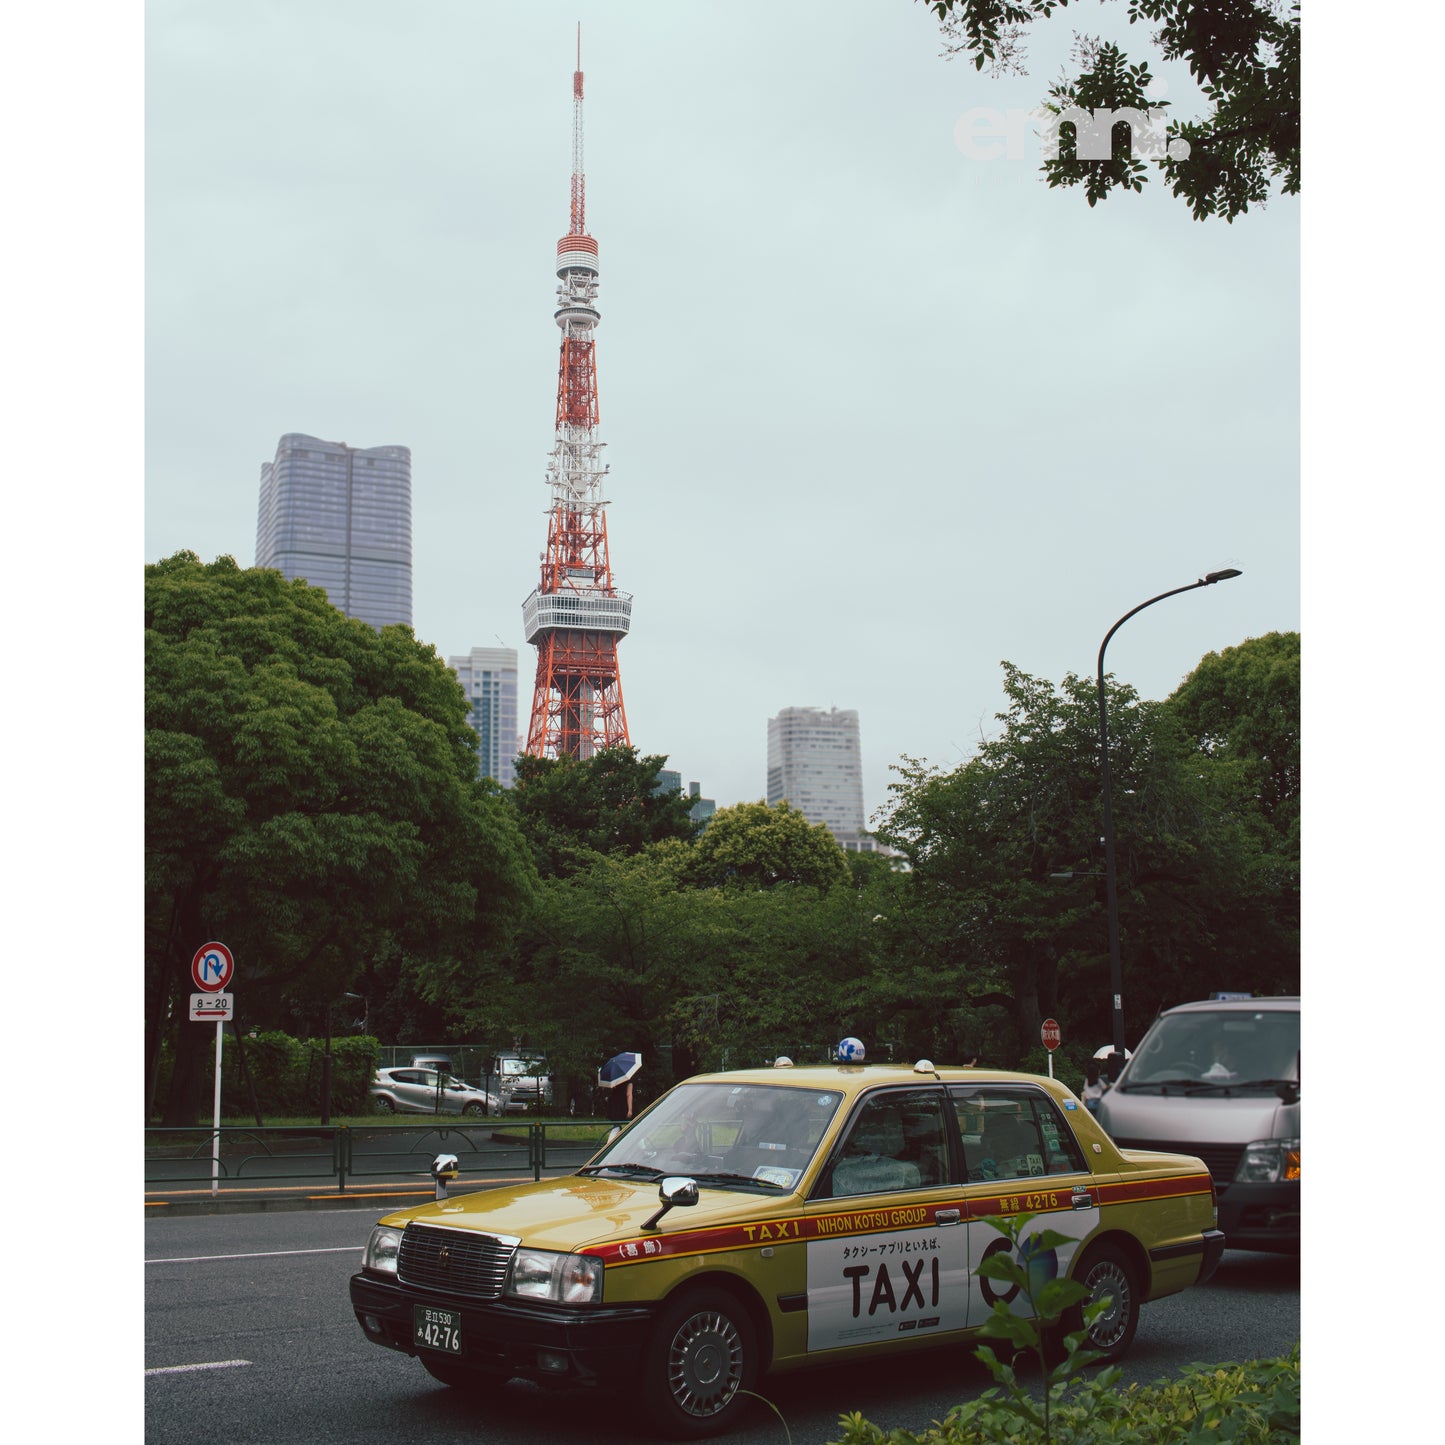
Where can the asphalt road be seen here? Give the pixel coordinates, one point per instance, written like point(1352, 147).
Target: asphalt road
point(259, 1303)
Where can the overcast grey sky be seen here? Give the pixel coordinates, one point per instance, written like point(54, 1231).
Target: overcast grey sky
point(879, 415)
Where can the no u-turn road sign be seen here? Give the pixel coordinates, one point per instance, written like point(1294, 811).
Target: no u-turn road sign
point(212, 967)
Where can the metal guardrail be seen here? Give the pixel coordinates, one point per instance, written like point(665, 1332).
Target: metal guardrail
point(282, 1154)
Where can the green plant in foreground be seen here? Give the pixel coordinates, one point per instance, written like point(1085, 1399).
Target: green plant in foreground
point(1256, 1403)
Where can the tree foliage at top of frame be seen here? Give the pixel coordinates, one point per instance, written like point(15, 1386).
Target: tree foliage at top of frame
point(1244, 55)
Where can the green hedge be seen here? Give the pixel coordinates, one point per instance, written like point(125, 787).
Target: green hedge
point(1255, 1403)
point(286, 1073)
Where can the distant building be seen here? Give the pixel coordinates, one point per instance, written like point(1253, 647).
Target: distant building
point(489, 677)
point(815, 764)
point(702, 808)
point(340, 517)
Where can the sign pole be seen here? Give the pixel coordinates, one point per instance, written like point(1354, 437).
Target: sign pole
point(216, 1123)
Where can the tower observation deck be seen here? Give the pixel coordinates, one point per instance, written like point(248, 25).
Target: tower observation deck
point(576, 616)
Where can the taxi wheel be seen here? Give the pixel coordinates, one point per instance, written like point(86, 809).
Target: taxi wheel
point(700, 1362)
point(1109, 1277)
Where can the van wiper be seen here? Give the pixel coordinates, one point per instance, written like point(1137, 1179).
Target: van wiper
point(1161, 1084)
point(1215, 1086)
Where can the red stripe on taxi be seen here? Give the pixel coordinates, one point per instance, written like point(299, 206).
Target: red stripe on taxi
point(873, 1221)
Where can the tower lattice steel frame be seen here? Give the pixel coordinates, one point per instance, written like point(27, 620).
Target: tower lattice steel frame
point(576, 616)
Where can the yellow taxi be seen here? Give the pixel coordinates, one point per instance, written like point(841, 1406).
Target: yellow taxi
point(767, 1218)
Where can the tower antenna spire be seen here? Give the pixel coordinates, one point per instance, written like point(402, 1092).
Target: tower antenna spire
point(579, 183)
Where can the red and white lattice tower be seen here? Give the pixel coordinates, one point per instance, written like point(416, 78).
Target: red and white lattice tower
point(576, 617)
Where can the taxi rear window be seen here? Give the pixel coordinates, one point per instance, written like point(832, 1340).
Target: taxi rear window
point(1012, 1134)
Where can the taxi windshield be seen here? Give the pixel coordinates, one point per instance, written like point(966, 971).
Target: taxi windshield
point(759, 1136)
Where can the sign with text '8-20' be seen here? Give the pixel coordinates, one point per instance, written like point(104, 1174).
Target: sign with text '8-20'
point(212, 967)
point(212, 1007)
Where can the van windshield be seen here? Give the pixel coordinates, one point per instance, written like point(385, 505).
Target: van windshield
point(1237, 1046)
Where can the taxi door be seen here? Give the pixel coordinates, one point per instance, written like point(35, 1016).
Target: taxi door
point(887, 1253)
point(1021, 1157)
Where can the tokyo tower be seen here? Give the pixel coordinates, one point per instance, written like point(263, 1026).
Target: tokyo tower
point(576, 616)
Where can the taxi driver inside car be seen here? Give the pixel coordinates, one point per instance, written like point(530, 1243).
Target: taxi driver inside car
point(768, 1261)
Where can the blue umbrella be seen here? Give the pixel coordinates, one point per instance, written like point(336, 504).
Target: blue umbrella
point(618, 1070)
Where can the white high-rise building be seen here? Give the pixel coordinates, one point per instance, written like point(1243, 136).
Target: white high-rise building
point(340, 517)
point(815, 763)
point(489, 676)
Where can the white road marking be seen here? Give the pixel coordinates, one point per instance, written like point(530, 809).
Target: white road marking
point(182, 1369)
point(263, 1254)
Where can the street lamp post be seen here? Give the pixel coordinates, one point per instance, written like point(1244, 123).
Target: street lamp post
point(1111, 890)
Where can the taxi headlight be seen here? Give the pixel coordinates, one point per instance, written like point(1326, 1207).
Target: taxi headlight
point(381, 1250)
point(570, 1279)
point(1268, 1161)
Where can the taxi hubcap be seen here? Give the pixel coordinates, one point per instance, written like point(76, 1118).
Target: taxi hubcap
point(1109, 1285)
point(705, 1364)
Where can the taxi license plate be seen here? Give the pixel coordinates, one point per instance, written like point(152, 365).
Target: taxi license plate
point(436, 1329)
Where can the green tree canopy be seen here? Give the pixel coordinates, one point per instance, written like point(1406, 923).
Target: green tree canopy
point(622, 954)
point(990, 923)
point(612, 802)
point(751, 845)
point(1244, 54)
point(1242, 708)
point(311, 797)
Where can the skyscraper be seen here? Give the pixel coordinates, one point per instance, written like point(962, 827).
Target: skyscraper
point(340, 517)
point(815, 763)
point(489, 675)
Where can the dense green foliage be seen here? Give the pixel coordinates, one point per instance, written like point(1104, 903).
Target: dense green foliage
point(1243, 54)
point(1253, 1403)
point(610, 803)
point(752, 845)
point(312, 801)
point(1205, 898)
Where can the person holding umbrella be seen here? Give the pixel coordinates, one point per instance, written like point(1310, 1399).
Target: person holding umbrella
point(615, 1076)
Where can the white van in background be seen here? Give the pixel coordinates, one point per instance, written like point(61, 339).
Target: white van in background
point(1220, 1080)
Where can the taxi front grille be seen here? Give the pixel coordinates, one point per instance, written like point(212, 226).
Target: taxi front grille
point(1220, 1159)
point(454, 1261)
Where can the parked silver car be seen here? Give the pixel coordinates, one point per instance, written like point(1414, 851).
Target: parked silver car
point(425, 1091)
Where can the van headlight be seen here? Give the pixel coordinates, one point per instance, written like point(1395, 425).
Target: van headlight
point(381, 1250)
point(569, 1279)
point(1268, 1161)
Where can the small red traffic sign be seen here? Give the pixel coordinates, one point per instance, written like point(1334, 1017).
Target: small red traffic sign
point(212, 967)
point(1052, 1034)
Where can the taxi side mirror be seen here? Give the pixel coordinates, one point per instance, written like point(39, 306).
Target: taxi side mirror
point(673, 1190)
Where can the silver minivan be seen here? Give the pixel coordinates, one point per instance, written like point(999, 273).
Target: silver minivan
point(1220, 1080)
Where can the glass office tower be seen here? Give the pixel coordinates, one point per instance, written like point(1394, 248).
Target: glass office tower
point(340, 517)
point(815, 763)
point(489, 677)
